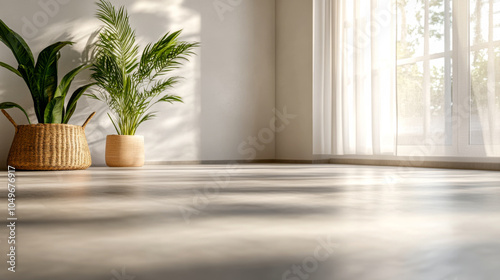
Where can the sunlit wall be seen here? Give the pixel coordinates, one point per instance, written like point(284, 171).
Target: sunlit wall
point(228, 87)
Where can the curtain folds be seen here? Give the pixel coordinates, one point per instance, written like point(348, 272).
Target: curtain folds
point(355, 77)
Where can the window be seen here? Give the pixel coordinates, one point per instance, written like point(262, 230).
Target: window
point(448, 89)
point(437, 61)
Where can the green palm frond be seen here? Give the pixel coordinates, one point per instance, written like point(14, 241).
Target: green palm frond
point(164, 56)
point(131, 84)
point(147, 117)
point(160, 86)
point(117, 38)
point(171, 99)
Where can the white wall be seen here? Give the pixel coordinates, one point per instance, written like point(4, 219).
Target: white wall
point(229, 90)
point(294, 78)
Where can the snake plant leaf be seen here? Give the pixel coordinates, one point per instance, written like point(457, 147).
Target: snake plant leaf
point(10, 68)
point(69, 113)
point(71, 107)
point(55, 110)
point(46, 69)
point(40, 77)
point(24, 58)
point(17, 45)
point(29, 79)
point(9, 105)
point(45, 74)
point(63, 88)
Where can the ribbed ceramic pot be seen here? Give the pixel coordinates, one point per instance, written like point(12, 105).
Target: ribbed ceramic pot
point(125, 150)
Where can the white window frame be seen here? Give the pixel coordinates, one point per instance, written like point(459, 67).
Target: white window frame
point(459, 51)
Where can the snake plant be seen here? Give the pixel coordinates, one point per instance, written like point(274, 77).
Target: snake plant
point(41, 78)
point(130, 83)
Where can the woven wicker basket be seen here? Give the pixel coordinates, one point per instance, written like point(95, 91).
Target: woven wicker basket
point(49, 146)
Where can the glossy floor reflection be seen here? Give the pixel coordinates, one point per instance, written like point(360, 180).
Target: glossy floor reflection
point(262, 222)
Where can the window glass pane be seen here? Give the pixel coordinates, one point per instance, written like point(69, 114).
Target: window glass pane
point(440, 107)
point(485, 65)
point(424, 72)
point(496, 20)
point(497, 96)
point(479, 21)
point(411, 113)
point(436, 26)
point(411, 27)
point(479, 97)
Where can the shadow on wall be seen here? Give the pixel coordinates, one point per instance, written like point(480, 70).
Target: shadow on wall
point(228, 87)
point(238, 81)
point(174, 134)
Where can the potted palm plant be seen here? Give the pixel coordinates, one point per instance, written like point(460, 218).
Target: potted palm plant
point(131, 84)
point(52, 144)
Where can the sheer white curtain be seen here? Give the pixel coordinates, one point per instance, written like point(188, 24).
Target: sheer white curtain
point(355, 77)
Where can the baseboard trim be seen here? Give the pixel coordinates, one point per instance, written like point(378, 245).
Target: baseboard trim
point(489, 166)
point(268, 161)
point(198, 162)
point(293, 161)
point(207, 162)
point(302, 161)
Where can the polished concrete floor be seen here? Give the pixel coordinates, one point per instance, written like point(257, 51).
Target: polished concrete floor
point(259, 222)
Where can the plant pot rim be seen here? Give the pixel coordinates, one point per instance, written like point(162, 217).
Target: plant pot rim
point(47, 124)
point(118, 135)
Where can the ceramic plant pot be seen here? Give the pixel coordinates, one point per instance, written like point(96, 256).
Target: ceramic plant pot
point(124, 151)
